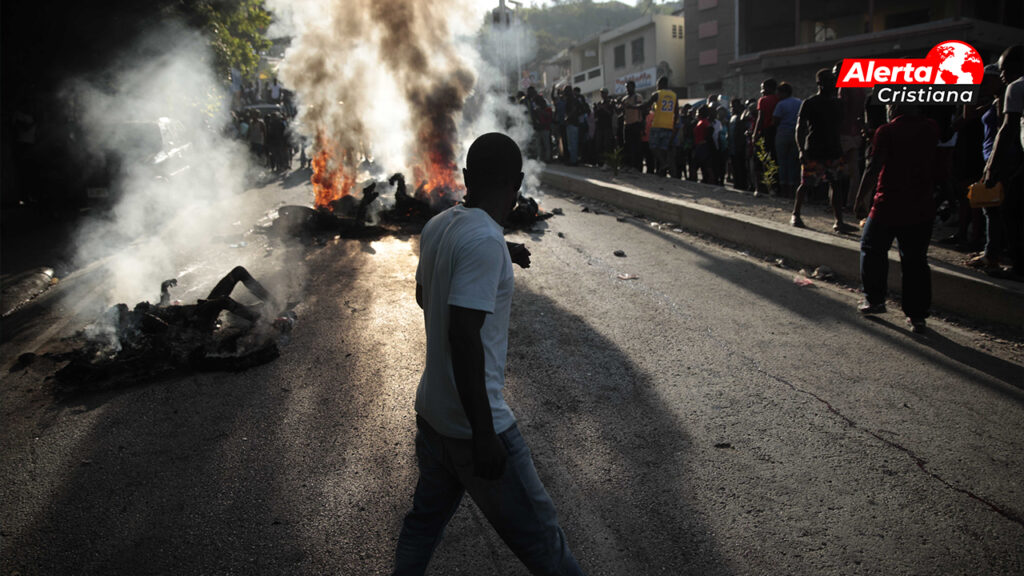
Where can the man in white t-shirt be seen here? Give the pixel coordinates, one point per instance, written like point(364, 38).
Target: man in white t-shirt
point(1004, 164)
point(467, 439)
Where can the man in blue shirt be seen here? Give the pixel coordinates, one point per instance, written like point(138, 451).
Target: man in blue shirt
point(785, 114)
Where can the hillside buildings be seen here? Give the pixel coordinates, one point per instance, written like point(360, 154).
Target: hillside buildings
point(729, 46)
point(732, 45)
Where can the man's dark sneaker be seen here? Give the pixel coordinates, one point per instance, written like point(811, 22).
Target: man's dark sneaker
point(865, 307)
point(796, 221)
point(917, 325)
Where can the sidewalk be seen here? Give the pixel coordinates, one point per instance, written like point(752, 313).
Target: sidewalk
point(762, 224)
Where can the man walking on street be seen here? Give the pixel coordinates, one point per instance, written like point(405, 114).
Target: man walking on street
point(902, 164)
point(467, 437)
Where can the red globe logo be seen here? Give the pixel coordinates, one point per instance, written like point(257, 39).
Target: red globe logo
point(956, 62)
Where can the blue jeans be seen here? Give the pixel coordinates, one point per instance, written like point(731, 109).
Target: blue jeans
point(572, 134)
point(875, 242)
point(789, 162)
point(516, 505)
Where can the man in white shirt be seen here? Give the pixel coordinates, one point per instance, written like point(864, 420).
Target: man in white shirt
point(467, 438)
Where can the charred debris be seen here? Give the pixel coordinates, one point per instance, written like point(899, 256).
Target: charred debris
point(126, 345)
point(130, 345)
point(349, 217)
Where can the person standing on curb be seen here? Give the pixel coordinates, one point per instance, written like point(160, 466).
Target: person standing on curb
point(633, 129)
point(821, 153)
point(1004, 164)
point(903, 165)
point(467, 438)
point(663, 105)
point(785, 117)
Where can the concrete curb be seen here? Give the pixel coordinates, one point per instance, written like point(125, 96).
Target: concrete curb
point(952, 290)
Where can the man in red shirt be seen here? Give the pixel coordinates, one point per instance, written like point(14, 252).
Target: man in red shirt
point(764, 126)
point(903, 165)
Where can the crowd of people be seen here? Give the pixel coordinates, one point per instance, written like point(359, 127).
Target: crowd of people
point(917, 162)
point(262, 117)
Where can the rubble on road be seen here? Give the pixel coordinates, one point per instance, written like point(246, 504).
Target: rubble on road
point(126, 346)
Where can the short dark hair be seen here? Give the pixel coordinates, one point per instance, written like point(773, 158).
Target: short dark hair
point(824, 77)
point(786, 89)
point(493, 160)
point(663, 82)
point(1012, 59)
point(769, 85)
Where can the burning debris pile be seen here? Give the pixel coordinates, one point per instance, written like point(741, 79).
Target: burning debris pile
point(397, 86)
point(126, 346)
point(344, 216)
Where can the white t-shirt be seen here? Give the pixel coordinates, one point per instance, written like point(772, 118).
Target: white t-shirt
point(463, 262)
point(1015, 102)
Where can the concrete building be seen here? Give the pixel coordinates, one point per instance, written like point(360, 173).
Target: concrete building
point(555, 71)
point(732, 45)
point(585, 66)
point(643, 50)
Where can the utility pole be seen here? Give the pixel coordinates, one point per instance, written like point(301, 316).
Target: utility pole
point(519, 63)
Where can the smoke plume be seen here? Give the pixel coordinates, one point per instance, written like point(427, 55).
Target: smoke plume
point(400, 82)
point(163, 96)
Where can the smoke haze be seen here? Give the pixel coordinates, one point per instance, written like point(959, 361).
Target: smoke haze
point(154, 229)
point(400, 81)
point(405, 83)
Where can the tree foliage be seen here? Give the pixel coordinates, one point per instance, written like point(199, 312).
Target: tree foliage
point(236, 29)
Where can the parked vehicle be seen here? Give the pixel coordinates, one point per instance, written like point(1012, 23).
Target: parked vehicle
point(157, 150)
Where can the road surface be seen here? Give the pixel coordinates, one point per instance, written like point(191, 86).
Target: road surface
point(707, 416)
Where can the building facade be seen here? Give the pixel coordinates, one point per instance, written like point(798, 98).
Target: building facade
point(642, 51)
point(732, 45)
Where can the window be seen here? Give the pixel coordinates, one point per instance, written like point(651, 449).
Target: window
point(637, 48)
point(674, 33)
point(593, 73)
point(579, 78)
point(823, 32)
point(620, 56)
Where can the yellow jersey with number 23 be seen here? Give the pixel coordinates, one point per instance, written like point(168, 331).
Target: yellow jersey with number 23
point(664, 110)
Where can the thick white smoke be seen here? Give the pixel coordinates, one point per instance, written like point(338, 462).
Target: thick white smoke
point(400, 81)
point(175, 222)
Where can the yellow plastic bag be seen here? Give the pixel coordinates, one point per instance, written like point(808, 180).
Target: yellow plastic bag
point(981, 196)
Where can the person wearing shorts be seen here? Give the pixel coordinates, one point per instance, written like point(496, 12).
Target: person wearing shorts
point(821, 153)
point(663, 105)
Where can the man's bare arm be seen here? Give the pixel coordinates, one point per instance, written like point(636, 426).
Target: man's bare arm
point(868, 182)
point(468, 368)
point(999, 167)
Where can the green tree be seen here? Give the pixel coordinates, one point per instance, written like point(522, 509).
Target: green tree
point(236, 29)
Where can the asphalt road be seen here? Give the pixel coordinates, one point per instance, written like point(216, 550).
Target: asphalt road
point(709, 416)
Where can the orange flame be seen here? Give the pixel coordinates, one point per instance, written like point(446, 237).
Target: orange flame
point(330, 183)
point(437, 176)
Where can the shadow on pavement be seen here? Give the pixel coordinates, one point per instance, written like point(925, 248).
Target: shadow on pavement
point(213, 473)
point(955, 357)
point(613, 456)
point(957, 354)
